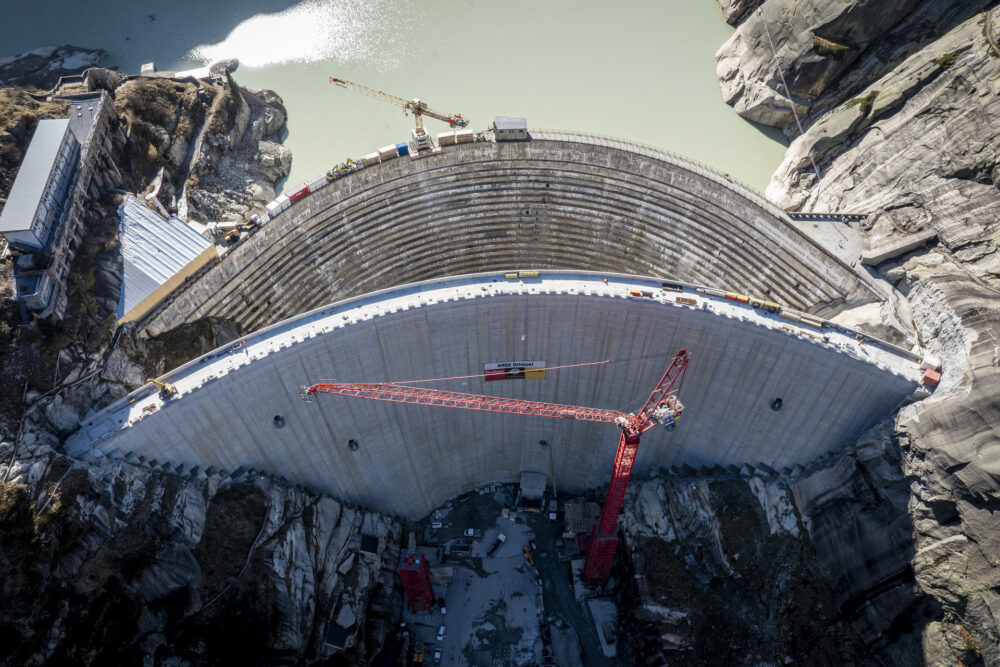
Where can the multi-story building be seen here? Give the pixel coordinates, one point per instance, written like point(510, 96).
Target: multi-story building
point(66, 166)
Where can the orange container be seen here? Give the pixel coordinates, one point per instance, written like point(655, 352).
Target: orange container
point(931, 378)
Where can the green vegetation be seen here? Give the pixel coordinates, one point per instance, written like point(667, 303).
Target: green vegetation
point(825, 47)
point(12, 500)
point(947, 60)
point(970, 643)
point(865, 103)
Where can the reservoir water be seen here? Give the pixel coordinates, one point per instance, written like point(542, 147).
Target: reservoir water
point(638, 70)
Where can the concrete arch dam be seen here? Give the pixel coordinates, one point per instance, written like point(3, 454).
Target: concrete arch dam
point(559, 201)
point(240, 406)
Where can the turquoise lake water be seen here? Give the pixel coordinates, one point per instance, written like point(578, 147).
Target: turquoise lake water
point(641, 71)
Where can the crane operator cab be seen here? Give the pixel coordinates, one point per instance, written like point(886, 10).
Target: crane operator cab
point(667, 412)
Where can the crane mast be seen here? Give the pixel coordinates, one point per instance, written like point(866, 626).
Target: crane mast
point(662, 407)
point(417, 107)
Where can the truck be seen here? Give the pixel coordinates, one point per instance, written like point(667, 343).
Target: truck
point(501, 538)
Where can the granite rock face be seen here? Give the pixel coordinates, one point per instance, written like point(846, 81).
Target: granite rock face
point(120, 563)
point(922, 154)
point(41, 68)
point(823, 50)
point(815, 568)
point(907, 133)
point(207, 150)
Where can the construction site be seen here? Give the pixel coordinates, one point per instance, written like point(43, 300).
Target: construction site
point(471, 332)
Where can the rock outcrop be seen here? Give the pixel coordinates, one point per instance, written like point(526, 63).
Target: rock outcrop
point(817, 568)
point(824, 51)
point(904, 128)
point(916, 149)
point(120, 563)
point(209, 151)
point(42, 68)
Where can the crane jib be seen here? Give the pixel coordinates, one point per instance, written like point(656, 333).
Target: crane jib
point(662, 407)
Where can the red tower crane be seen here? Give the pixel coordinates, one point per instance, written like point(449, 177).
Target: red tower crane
point(662, 407)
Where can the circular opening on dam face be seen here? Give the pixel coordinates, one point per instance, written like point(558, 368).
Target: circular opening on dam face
point(776, 404)
point(353, 445)
point(279, 421)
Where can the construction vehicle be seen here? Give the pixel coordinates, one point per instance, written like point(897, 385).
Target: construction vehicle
point(166, 389)
point(421, 140)
point(230, 232)
point(662, 407)
point(345, 167)
point(527, 555)
point(497, 543)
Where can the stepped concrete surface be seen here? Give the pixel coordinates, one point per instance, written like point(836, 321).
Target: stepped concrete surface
point(559, 201)
point(411, 459)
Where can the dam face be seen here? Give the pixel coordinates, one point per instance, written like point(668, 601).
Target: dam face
point(559, 201)
point(240, 406)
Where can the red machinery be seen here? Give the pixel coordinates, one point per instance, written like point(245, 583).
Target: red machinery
point(662, 406)
point(416, 578)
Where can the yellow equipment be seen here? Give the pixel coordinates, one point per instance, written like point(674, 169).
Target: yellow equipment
point(527, 555)
point(166, 389)
point(419, 109)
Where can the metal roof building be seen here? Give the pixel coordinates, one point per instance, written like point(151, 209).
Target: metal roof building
point(158, 255)
point(37, 196)
point(507, 128)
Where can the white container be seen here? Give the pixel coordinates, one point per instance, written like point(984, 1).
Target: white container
point(317, 184)
point(464, 136)
point(446, 138)
point(388, 152)
point(930, 362)
point(370, 159)
point(274, 208)
point(283, 202)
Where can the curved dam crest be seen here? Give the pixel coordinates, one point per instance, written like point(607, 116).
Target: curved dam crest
point(558, 201)
point(411, 459)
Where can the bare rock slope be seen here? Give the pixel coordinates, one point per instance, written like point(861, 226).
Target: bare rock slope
point(120, 564)
point(898, 102)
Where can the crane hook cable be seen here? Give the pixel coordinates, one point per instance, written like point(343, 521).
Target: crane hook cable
point(480, 375)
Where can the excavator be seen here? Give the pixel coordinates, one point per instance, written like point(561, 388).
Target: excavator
point(343, 168)
point(230, 231)
point(166, 389)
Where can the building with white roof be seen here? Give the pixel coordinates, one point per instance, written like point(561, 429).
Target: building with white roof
point(39, 191)
point(158, 254)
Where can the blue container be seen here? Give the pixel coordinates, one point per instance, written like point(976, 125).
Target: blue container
point(404, 149)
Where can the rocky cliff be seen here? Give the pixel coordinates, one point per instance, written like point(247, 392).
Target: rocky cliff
point(207, 150)
point(899, 120)
point(117, 563)
point(758, 568)
point(42, 68)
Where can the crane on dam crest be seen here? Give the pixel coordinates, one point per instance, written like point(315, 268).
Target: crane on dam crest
point(662, 407)
point(419, 109)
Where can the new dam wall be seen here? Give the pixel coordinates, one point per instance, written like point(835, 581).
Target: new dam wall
point(558, 201)
point(240, 406)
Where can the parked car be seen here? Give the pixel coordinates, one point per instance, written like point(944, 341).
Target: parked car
point(473, 532)
point(437, 656)
point(442, 633)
